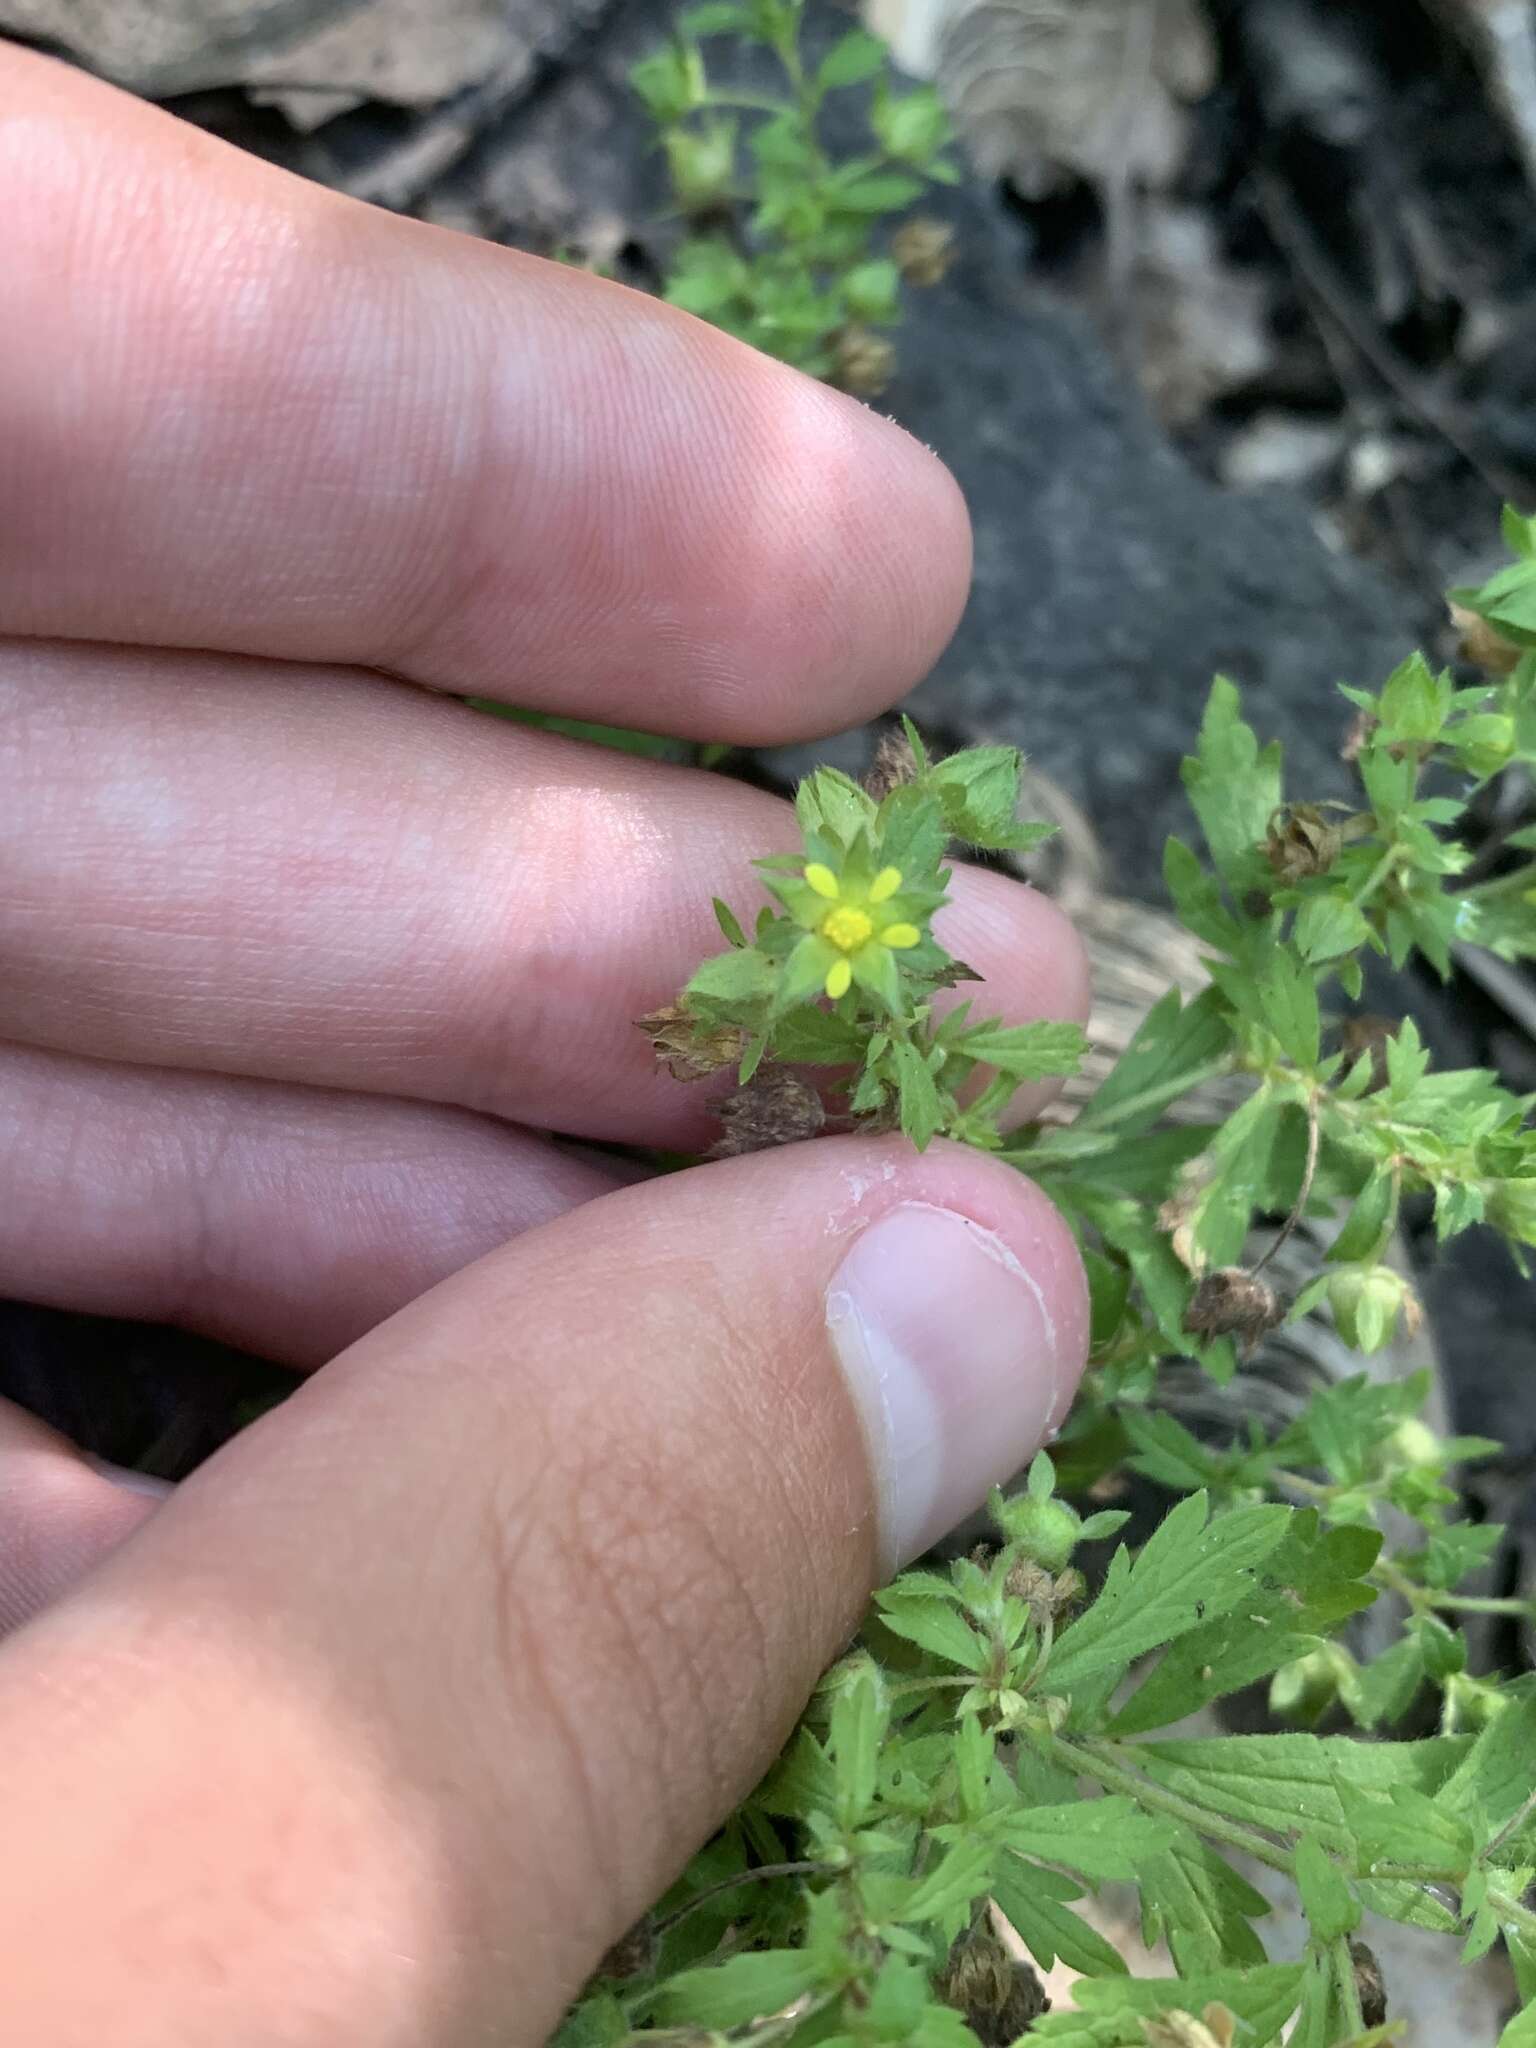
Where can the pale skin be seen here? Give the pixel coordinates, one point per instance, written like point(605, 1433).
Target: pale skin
point(381, 1728)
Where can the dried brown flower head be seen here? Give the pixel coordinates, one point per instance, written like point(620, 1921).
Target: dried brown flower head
point(924, 250)
point(774, 1108)
point(1232, 1302)
point(1370, 1985)
point(998, 1996)
point(1301, 841)
point(689, 1048)
point(863, 361)
point(1484, 644)
point(1369, 1034)
point(894, 765)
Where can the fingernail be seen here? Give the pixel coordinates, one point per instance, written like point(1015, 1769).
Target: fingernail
point(950, 1353)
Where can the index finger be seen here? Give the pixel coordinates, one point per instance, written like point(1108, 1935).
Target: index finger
point(240, 412)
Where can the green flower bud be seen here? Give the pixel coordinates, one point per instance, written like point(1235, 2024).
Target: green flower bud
point(1045, 1530)
point(1485, 743)
point(1412, 1447)
point(1367, 1302)
point(1307, 1687)
point(702, 162)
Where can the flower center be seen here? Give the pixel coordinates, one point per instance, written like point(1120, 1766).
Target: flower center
point(847, 927)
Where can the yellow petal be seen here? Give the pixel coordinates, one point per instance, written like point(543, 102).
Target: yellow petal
point(900, 936)
point(822, 880)
point(839, 979)
point(886, 883)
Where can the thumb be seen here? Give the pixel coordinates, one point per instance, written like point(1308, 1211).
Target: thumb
point(417, 1695)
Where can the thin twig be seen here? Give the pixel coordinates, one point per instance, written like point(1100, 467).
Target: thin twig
point(1314, 269)
point(763, 1872)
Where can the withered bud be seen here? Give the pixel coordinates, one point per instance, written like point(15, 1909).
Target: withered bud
point(863, 361)
point(1370, 1985)
point(1484, 644)
point(1042, 1593)
point(632, 1954)
point(894, 765)
point(998, 1997)
point(1369, 1034)
point(924, 250)
point(1300, 842)
point(689, 1048)
point(1215, 2028)
point(775, 1108)
point(1232, 1302)
point(1358, 737)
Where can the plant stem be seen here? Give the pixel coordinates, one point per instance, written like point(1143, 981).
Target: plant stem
point(762, 1874)
point(1349, 1989)
point(1304, 1193)
point(1095, 1759)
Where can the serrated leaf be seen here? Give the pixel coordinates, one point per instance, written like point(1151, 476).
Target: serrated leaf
point(1025, 1052)
point(1190, 1570)
point(1033, 1902)
point(730, 980)
point(730, 1994)
point(1194, 1899)
point(1282, 1782)
point(1100, 1838)
point(856, 1730)
point(922, 1109)
point(1233, 785)
point(934, 1625)
point(1174, 1043)
point(956, 1880)
point(1112, 2011)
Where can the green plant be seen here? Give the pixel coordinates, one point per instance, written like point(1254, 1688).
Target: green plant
point(934, 1794)
point(782, 243)
point(936, 1787)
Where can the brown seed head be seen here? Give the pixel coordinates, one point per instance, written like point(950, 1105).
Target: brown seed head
point(998, 1996)
point(631, 1954)
point(689, 1048)
point(894, 765)
point(924, 250)
point(1301, 842)
point(775, 1108)
point(1232, 1302)
point(1370, 1985)
point(863, 361)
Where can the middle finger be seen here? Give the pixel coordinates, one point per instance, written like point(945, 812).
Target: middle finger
point(212, 863)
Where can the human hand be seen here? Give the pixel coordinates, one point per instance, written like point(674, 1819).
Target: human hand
point(393, 1717)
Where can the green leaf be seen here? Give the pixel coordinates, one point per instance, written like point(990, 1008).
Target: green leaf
point(956, 1880)
point(859, 1720)
point(922, 1110)
point(1371, 1221)
point(598, 2022)
point(1288, 1001)
point(1026, 1052)
point(1405, 1829)
point(1199, 1904)
point(853, 58)
point(880, 192)
point(1328, 925)
point(979, 789)
point(1033, 1902)
point(1233, 785)
point(715, 18)
point(1494, 1778)
point(1521, 2031)
point(1283, 1782)
point(1100, 1838)
point(725, 917)
point(1172, 1045)
point(1198, 900)
point(1329, 1903)
point(1414, 700)
point(934, 1625)
point(729, 980)
point(1112, 2011)
point(730, 1994)
point(831, 803)
point(815, 1037)
point(1189, 1571)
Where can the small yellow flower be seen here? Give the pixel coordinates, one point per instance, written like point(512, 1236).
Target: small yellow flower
point(858, 921)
